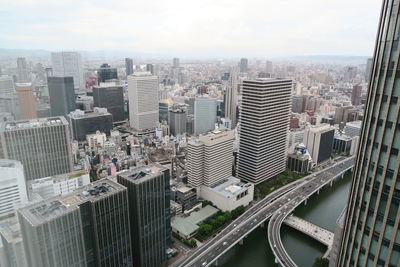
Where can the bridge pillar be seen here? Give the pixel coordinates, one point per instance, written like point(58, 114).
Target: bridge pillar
point(216, 262)
point(241, 242)
point(342, 175)
point(318, 193)
point(305, 202)
point(262, 225)
point(331, 183)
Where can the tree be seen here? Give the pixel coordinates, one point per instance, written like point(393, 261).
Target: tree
point(220, 220)
point(227, 215)
point(205, 229)
point(321, 262)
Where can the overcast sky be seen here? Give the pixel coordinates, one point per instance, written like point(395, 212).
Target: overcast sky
point(225, 28)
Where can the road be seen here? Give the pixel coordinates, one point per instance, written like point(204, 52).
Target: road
point(255, 216)
point(295, 198)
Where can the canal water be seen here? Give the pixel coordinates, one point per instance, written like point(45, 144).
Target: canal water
point(322, 210)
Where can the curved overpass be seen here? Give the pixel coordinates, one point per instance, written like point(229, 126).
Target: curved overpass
point(295, 197)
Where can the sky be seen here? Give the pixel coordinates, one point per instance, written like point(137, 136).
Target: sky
point(204, 28)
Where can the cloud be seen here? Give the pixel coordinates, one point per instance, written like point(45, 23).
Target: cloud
point(194, 28)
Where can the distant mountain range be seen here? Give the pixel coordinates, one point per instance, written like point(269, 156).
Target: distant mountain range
point(11, 54)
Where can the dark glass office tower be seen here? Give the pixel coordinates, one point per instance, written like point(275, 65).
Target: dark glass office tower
point(128, 66)
point(88, 228)
point(149, 211)
point(371, 235)
point(62, 95)
point(111, 98)
point(106, 73)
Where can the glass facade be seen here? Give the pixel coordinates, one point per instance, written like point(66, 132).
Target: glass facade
point(371, 235)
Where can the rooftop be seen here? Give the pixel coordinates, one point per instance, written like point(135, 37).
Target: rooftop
point(8, 163)
point(34, 123)
point(141, 174)
point(230, 188)
point(11, 230)
point(188, 225)
point(51, 208)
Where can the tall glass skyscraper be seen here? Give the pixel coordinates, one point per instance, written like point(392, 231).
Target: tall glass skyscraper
point(371, 236)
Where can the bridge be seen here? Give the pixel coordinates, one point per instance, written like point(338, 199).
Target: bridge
point(316, 232)
point(297, 196)
point(260, 212)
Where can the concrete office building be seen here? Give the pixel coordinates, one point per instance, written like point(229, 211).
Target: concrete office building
point(297, 104)
point(12, 187)
point(244, 65)
point(143, 100)
point(68, 64)
point(319, 142)
point(11, 237)
point(231, 99)
point(8, 97)
point(105, 74)
point(209, 158)
point(83, 123)
point(62, 95)
point(177, 121)
point(150, 68)
point(61, 184)
point(371, 234)
point(264, 125)
point(41, 145)
point(26, 100)
point(89, 227)
point(128, 66)
point(110, 97)
point(205, 114)
point(342, 145)
point(149, 210)
point(22, 70)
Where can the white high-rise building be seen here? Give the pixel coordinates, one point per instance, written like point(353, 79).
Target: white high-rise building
point(353, 128)
point(68, 64)
point(263, 129)
point(205, 114)
point(22, 69)
point(143, 100)
point(209, 158)
point(12, 186)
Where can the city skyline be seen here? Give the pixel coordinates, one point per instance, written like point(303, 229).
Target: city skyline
point(203, 29)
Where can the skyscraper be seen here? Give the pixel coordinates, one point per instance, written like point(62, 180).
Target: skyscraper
point(128, 66)
point(26, 100)
point(41, 145)
point(150, 68)
point(231, 99)
point(149, 212)
point(68, 64)
point(244, 62)
point(62, 95)
point(89, 227)
point(110, 97)
point(264, 124)
point(143, 100)
point(12, 187)
point(356, 95)
point(22, 70)
point(371, 235)
point(106, 73)
point(209, 158)
point(205, 114)
point(268, 67)
point(368, 69)
point(176, 62)
point(8, 97)
point(319, 141)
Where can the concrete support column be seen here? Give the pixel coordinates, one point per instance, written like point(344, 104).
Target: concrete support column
point(342, 175)
point(262, 225)
point(305, 202)
point(318, 193)
point(241, 242)
point(331, 183)
point(216, 262)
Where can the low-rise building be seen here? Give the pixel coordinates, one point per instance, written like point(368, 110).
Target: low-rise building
point(229, 194)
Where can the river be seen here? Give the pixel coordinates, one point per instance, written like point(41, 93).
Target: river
point(322, 210)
